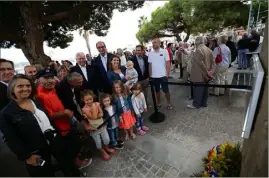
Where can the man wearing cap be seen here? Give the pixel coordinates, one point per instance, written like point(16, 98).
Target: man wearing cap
point(61, 118)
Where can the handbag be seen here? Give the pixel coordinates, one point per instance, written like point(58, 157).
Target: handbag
point(219, 56)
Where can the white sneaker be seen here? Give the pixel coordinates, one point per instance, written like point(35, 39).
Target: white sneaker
point(190, 106)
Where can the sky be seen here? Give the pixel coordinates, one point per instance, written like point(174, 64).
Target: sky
point(123, 29)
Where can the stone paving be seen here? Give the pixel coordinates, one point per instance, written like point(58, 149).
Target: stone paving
point(175, 147)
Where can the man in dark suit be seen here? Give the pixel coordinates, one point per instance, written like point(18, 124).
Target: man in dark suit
point(6, 73)
point(68, 90)
point(141, 65)
point(102, 63)
point(90, 73)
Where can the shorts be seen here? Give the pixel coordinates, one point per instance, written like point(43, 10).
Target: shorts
point(161, 82)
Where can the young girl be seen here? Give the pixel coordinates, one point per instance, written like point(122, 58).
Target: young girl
point(127, 120)
point(93, 112)
point(113, 120)
point(131, 74)
point(139, 107)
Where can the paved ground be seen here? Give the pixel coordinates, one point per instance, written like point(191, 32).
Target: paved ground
point(172, 148)
point(176, 146)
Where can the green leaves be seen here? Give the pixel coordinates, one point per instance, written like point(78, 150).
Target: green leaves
point(194, 16)
point(59, 18)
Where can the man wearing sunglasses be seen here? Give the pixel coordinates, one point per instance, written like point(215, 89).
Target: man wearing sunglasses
point(102, 63)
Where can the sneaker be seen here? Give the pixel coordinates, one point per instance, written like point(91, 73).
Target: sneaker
point(120, 142)
point(141, 132)
point(106, 157)
point(145, 128)
point(85, 163)
point(190, 106)
point(118, 146)
point(111, 150)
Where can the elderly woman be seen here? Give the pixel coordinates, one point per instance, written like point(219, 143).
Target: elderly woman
point(122, 57)
point(62, 72)
point(116, 71)
point(201, 71)
point(28, 131)
point(221, 66)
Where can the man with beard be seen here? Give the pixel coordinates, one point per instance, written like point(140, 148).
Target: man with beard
point(30, 71)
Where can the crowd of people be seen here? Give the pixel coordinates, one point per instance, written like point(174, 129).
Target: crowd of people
point(42, 109)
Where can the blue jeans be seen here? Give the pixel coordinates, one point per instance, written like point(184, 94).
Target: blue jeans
point(139, 122)
point(113, 135)
point(242, 58)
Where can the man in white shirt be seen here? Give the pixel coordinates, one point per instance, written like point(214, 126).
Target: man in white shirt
point(159, 68)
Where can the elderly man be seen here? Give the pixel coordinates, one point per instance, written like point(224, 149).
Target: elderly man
point(61, 118)
point(122, 57)
point(102, 63)
point(159, 68)
point(30, 71)
point(202, 69)
point(88, 72)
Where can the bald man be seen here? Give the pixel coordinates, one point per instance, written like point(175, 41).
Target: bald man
point(30, 71)
point(89, 73)
point(102, 63)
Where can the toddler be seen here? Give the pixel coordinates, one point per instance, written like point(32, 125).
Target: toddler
point(113, 120)
point(131, 74)
point(93, 112)
point(127, 120)
point(139, 107)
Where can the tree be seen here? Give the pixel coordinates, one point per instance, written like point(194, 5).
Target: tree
point(85, 34)
point(26, 25)
point(193, 16)
point(142, 20)
point(165, 21)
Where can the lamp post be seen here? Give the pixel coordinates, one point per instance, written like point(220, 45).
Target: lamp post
point(249, 17)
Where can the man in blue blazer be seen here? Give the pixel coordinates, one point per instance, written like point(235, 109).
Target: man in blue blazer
point(102, 62)
point(141, 65)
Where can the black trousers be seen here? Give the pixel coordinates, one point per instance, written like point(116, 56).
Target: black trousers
point(42, 171)
point(65, 151)
point(200, 95)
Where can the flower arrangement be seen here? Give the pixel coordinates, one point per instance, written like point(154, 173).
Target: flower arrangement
point(222, 161)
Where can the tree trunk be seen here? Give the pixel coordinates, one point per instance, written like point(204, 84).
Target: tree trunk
point(32, 46)
point(88, 46)
point(178, 38)
point(255, 149)
point(188, 35)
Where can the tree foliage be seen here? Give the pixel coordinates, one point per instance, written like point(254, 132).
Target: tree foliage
point(22, 23)
point(193, 16)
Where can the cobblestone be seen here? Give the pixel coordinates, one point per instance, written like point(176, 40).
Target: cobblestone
point(190, 132)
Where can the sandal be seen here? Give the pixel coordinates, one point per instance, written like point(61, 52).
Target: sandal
point(169, 107)
point(159, 106)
